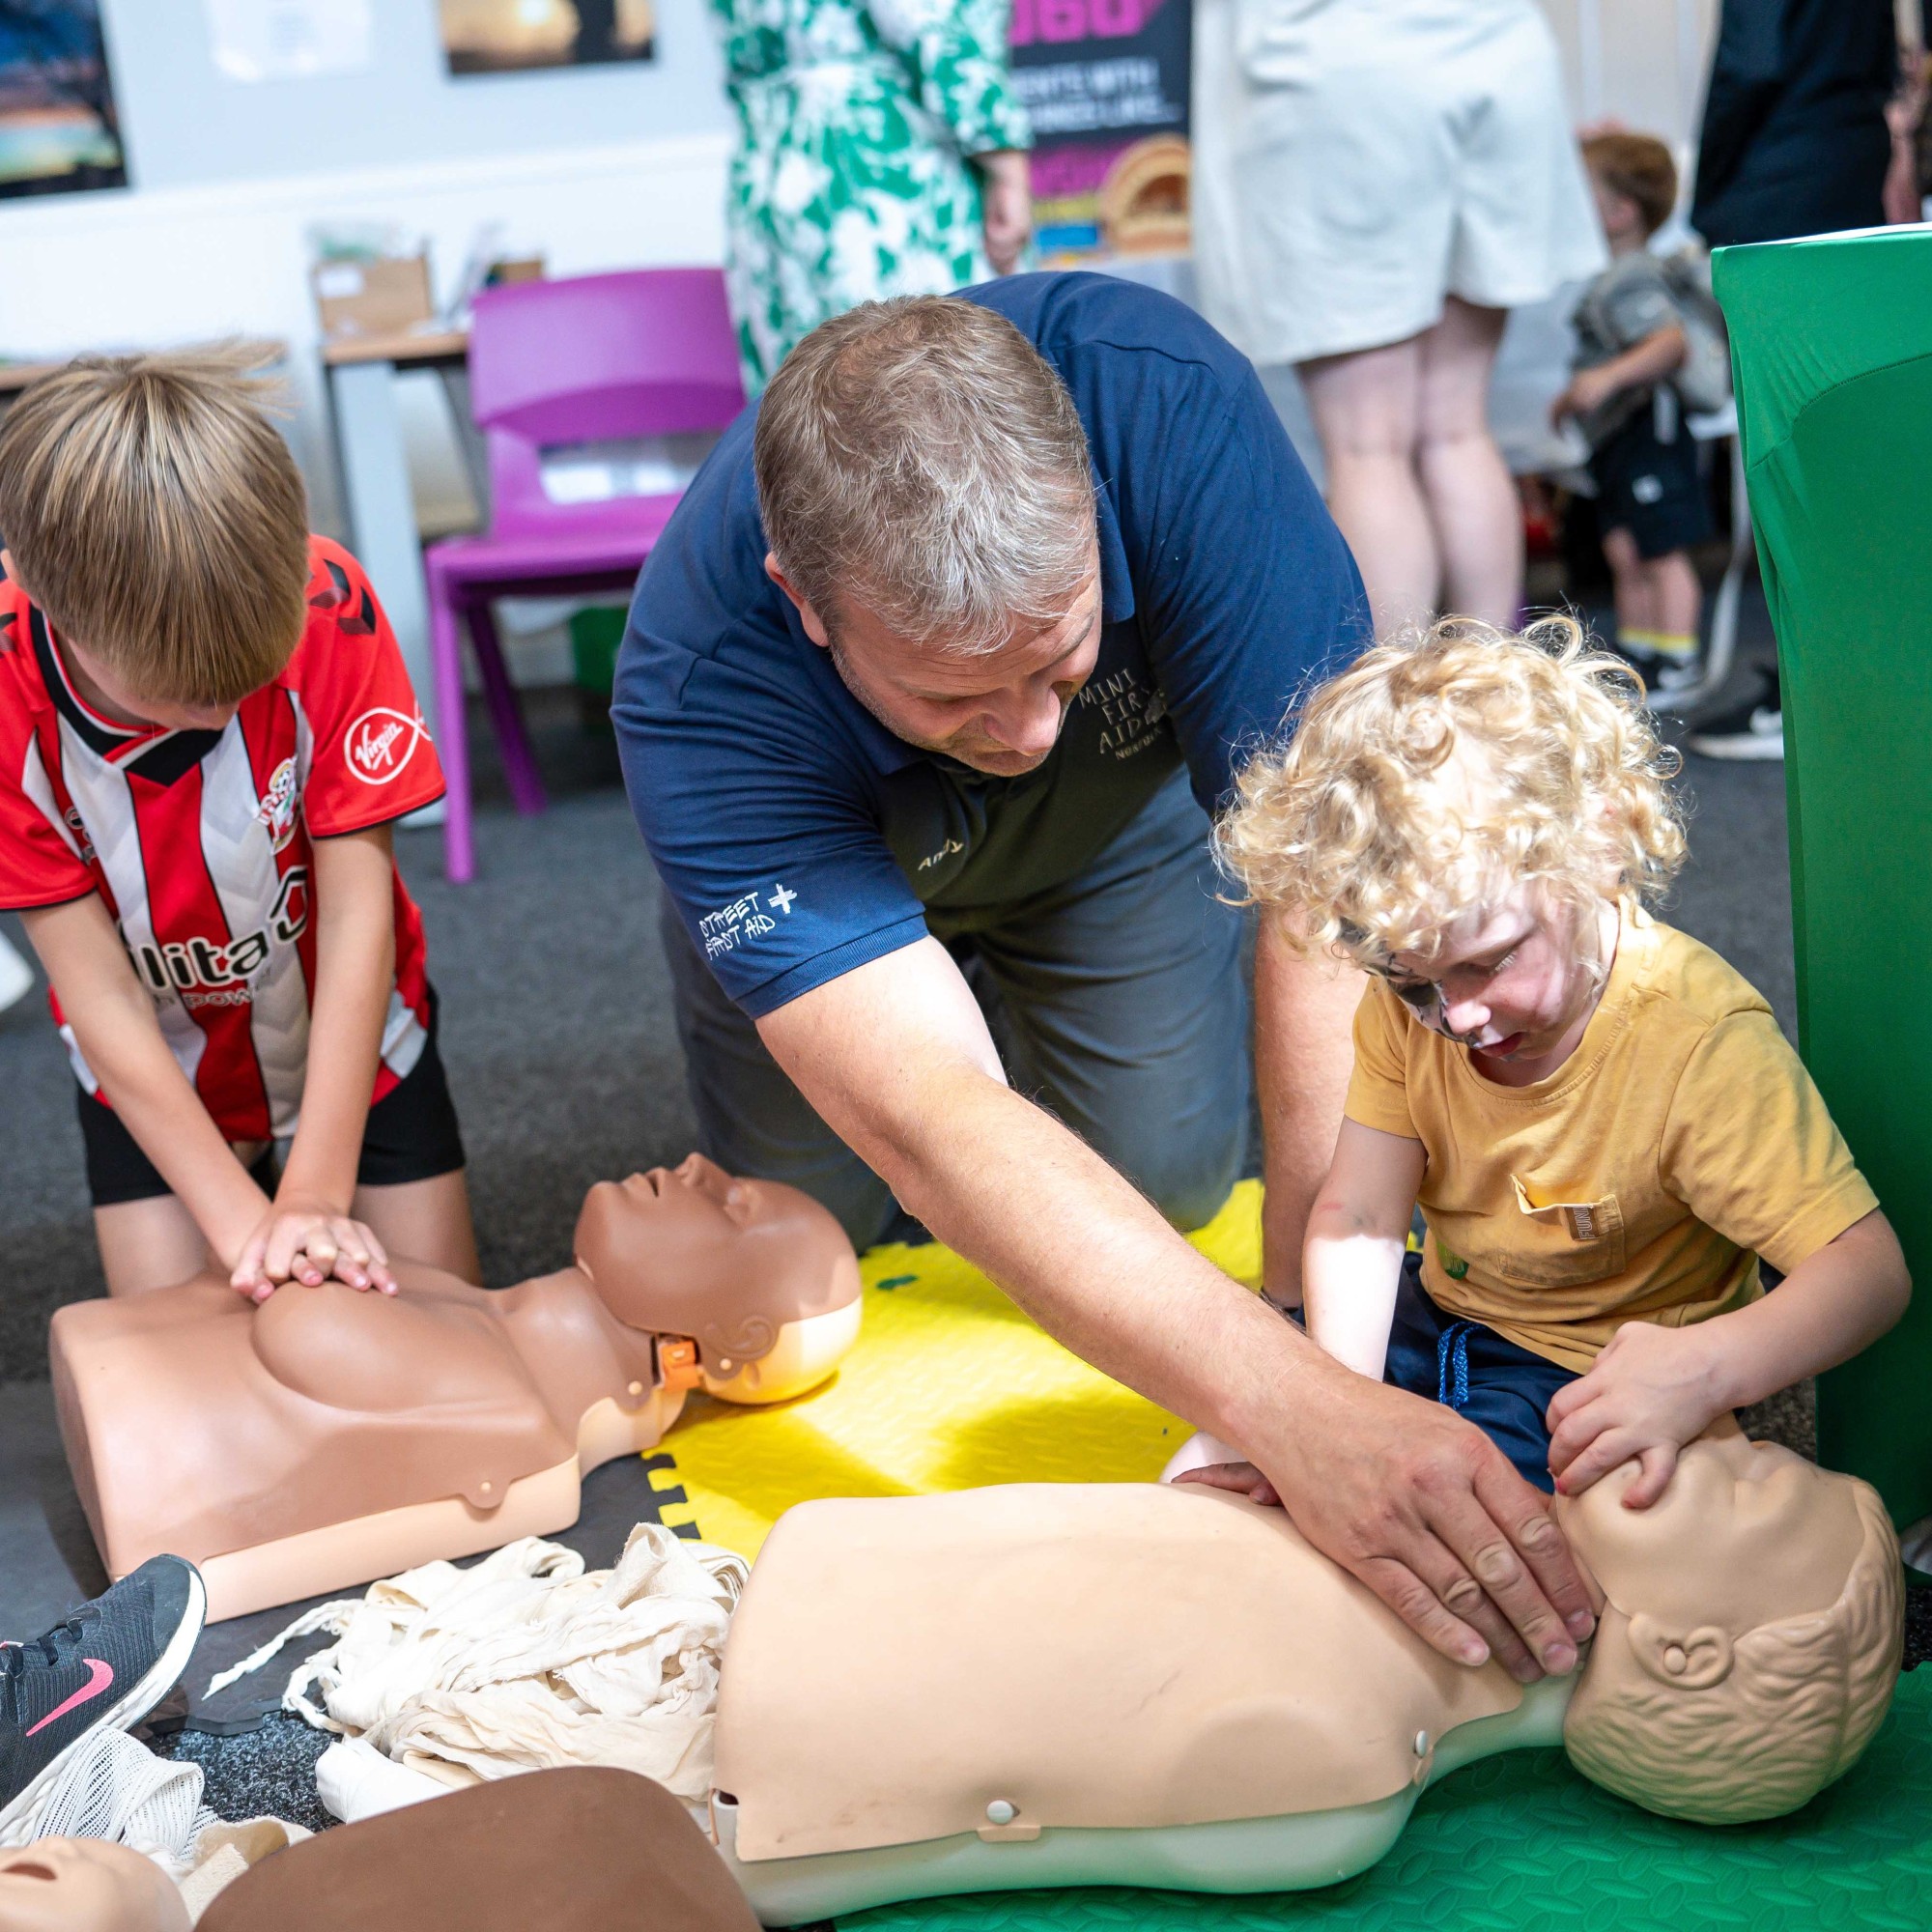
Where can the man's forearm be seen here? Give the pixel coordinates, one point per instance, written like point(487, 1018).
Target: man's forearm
point(1304, 1014)
point(1087, 1256)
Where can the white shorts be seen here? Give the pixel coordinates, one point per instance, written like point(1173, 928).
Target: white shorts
point(1359, 161)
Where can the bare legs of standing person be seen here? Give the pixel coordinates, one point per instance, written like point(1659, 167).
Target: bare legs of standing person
point(1656, 596)
point(1415, 481)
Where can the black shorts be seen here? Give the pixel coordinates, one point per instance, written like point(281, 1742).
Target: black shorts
point(410, 1134)
point(1651, 487)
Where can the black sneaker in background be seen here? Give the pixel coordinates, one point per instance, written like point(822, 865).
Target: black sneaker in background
point(1664, 675)
point(109, 1663)
point(1753, 728)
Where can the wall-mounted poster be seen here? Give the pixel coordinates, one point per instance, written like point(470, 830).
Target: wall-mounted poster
point(509, 36)
point(58, 128)
point(1106, 83)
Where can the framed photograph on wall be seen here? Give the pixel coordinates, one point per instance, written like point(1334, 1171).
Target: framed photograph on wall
point(512, 36)
point(58, 127)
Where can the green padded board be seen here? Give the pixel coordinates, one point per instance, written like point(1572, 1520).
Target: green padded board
point(1521, 1841)
point(1831, 345)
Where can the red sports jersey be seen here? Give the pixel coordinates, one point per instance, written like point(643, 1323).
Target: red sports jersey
point(198, 841)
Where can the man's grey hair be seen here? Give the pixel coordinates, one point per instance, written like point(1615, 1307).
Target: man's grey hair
point(921, 458)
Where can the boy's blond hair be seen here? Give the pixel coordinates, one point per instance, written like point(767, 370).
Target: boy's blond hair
point(156, 517)
point(1443, 768)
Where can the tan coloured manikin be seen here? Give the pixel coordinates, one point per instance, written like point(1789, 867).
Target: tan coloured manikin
point(330, 1437)
point(82, 1885)
point(1166, 1686)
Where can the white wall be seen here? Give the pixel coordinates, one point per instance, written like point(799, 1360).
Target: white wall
point(1641, 62)
point(185, 123)
point(594, 169)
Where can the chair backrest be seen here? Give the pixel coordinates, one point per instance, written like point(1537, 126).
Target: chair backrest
point(595, 358)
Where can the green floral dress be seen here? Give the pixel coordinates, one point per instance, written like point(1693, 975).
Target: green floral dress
point(851, 179)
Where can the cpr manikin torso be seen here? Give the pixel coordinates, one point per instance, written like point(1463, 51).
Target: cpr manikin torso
point(1047, 1684)
point(330, 1437)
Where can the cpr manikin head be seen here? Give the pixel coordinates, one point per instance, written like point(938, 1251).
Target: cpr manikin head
point(1749, 1637)
point(692, 1250)
point(84, 1884)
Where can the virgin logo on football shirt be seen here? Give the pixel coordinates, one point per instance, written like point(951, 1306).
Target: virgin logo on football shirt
point(380, 743)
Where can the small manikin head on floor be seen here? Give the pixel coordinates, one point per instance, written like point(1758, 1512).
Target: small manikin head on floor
point(1751, 1636)
point(82, 1885)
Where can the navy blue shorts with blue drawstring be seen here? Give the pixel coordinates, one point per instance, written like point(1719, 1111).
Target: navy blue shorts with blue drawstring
point(1501, 1388)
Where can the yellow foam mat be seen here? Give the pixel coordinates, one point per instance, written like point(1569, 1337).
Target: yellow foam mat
point(949, 1386)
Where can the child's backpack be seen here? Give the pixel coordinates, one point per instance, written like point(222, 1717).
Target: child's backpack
point(1704, 381)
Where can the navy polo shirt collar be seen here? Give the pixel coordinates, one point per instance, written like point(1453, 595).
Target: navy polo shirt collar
point(884, 749)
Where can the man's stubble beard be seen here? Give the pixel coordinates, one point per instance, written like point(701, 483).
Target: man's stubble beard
point(941, 747)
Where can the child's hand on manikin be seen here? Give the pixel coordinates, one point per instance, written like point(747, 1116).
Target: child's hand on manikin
point(306, 1240)
point(1650, 1391)
point(1243, 1478)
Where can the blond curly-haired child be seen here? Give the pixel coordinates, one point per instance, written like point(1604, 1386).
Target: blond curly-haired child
point(1599, 1117)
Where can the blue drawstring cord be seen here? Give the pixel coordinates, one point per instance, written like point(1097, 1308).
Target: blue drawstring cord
point(1452, 1364)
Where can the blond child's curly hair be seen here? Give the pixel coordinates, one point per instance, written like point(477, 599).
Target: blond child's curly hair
point(1441, 769)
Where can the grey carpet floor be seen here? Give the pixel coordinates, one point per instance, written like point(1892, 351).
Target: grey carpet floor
point(565, 1069)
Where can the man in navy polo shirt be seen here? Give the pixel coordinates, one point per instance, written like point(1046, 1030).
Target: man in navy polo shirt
point(928, 689)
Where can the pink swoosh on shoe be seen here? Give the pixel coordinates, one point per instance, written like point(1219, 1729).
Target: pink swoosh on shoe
point(101, 1676)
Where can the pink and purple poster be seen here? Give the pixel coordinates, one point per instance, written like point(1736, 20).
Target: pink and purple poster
point(1106, 83)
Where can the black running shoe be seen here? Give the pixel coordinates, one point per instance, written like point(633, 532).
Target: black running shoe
point(1664, 674)
point(1753, 730)
point(110, 1662)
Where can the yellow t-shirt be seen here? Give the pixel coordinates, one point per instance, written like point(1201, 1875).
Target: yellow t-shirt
point(1642, 1180)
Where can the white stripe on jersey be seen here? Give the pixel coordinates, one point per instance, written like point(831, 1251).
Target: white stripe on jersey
point(240, 858)
point(38, 787)
point(404, 1036)
point(101, 795)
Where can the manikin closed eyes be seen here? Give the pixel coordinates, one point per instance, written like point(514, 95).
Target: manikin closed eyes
point(328, 1438)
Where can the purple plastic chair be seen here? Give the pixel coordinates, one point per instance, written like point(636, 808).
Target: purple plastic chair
point(595, 359)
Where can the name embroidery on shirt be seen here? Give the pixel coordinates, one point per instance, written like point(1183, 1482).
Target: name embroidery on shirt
point(945, 852)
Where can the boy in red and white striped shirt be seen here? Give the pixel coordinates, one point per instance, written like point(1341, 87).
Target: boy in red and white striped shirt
point(206, 734)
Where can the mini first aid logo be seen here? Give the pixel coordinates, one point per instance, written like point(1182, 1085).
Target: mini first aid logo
point(382, 742)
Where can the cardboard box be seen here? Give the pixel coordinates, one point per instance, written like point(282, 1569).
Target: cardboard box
point(380, 297)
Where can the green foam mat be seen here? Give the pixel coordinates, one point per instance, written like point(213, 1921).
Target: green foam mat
point(1521, 1841)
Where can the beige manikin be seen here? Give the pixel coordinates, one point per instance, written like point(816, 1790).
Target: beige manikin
point(328, 1438)
point(1166, 1686)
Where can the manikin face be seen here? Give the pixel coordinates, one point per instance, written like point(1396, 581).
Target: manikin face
point(1747, 1534)
point(81, 1884)
point(662, 1242)
point(696, 1197)
point(999, 713)
point(1515, 982)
